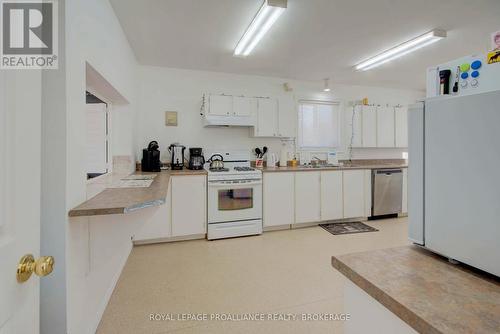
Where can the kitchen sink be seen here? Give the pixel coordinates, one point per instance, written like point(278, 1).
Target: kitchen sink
point(320, 166)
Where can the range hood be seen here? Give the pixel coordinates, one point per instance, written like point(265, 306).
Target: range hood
point(216, 120)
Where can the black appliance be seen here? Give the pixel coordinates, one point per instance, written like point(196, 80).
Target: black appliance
point(196, 158)
point(444, 82)
point(151, 158)
point(177, 154)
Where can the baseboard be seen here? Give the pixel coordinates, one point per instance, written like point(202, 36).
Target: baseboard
point(170, 239)
point(343, 220)
point(276, 228)
point(303, 225)
point(109, 292)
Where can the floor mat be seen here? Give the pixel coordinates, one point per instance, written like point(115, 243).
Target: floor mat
point(347, 228)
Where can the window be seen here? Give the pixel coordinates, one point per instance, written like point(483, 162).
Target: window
point(318, 125)
point(97, 149)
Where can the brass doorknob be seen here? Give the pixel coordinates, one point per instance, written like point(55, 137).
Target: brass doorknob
point(43, 266)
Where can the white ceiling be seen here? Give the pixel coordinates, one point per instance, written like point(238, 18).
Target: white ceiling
point(312, 40)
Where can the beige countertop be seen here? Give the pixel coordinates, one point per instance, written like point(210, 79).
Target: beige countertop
point(426, 291)
point(344, 167)
point(124, 200)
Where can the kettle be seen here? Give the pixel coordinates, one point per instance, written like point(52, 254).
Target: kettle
point(216, 161)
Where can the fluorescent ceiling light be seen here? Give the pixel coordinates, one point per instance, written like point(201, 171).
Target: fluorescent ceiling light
point(402, 49)
point(262, 22)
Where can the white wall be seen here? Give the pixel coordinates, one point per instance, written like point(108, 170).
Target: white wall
point(165, 89)
point(96, 248)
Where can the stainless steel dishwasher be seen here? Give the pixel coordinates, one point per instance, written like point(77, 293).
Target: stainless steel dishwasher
point(387, 191)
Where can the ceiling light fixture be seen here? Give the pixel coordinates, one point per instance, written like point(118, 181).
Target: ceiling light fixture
point(402, 49)
point(262, 22)
point(327, 85)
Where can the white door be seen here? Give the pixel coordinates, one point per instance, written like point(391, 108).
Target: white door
point(369, 126)
point(243, 106)
point(307, 197)
point(221, 105)
point(401, 124)
point(461, 194)
point(188, 205)
point(267, 118)
point(332, 202)
point(287, 117)
point(385, 127)
point(20, 170)
point(279, 199)
point(355, 129)
point(354, 193)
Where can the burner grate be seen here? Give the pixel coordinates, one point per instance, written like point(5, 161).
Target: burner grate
point(244, 169)
point(219, 169)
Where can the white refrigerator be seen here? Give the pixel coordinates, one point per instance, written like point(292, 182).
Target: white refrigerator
point(454, 166)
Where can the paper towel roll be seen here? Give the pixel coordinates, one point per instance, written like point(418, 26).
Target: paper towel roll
point(283, 158)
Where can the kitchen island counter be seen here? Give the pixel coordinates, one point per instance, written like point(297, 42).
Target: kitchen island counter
point(125, 200)
point(424, 290)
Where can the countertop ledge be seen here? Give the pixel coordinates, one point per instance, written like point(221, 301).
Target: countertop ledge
point(312, 169)
point(125, 200)
point(426, 291)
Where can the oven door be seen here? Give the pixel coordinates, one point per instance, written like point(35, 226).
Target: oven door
point(237, 200)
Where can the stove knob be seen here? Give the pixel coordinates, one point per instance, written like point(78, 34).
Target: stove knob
point(474, 83)
point(464, 84)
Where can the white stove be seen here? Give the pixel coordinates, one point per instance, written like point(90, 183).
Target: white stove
point(234, 197)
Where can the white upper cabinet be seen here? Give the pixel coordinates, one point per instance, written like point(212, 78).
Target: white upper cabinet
point(369, 126)
point(276, 117)
point(332, 202)
point(221, 105)
point(267, 118)
point(355, 129)
point(287, 117)
point(244, 106)
point(307, 197)
point(385, 127)
point(378, 127)
point(401, 123)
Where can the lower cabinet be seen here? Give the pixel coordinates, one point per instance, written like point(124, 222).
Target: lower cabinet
point(354, 193)
point(307, 197)
point(404, 205)
point(332, 201)
point(189, 212)
point(278, 199)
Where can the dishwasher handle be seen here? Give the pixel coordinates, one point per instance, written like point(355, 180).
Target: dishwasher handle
point(389, 171)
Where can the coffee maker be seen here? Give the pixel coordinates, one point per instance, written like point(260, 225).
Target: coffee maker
point(196, 158)
point(151, 158)
point(177, 154)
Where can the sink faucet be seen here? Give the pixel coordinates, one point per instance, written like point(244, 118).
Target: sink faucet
point(317, 161)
